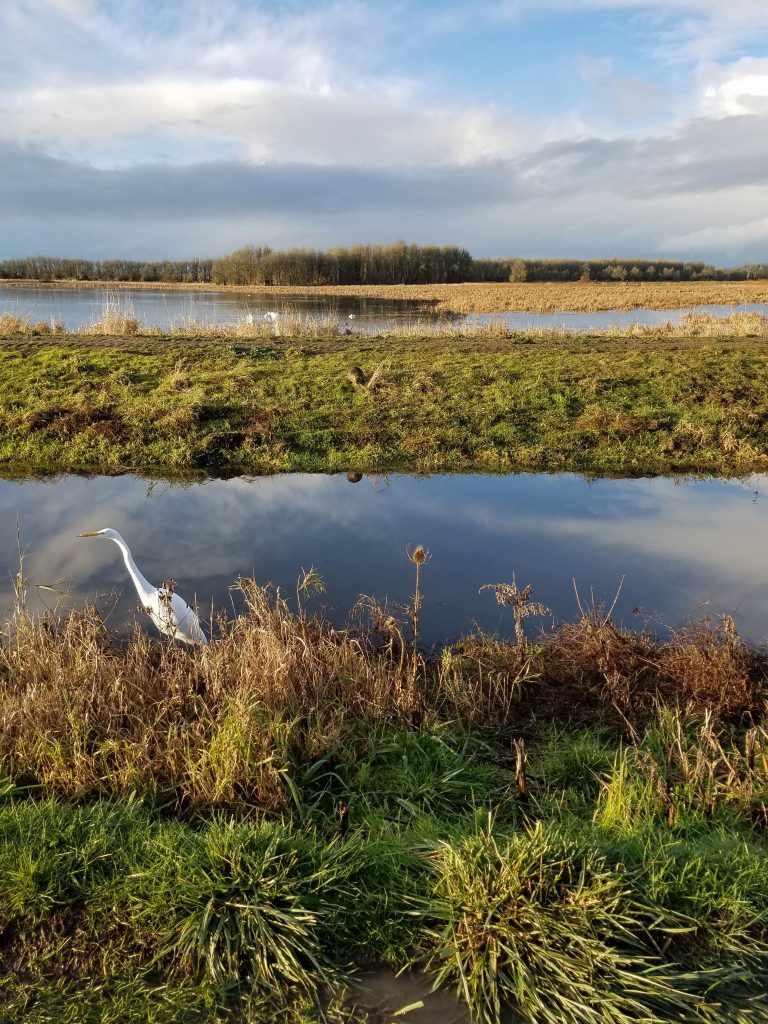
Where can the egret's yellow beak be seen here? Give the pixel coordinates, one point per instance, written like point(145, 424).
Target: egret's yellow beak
point(96, 534)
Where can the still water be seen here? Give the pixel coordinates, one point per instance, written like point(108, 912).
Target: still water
point(684, 548)
point(154, 307)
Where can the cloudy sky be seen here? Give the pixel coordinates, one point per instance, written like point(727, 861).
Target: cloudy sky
point(512, 127)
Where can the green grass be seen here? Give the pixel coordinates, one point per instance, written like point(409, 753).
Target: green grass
point(590, 405)
point(582, 904)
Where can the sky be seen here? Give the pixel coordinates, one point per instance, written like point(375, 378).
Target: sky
point(580, 128)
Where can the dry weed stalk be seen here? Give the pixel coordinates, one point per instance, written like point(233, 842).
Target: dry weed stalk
point(520, 601)
point(419, 556)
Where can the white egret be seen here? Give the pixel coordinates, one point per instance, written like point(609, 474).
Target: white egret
point(169, 612)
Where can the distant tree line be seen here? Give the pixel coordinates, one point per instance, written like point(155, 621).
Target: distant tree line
point(360, 264)
point(399, 263)
point(52, 268)
point(629, 270)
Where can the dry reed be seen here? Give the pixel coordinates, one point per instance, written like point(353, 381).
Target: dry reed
point(117, 320)
point(12, 325)
point(537, 297)
point(85, 713)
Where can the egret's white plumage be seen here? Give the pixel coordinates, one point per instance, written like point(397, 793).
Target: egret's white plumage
point(169, 612)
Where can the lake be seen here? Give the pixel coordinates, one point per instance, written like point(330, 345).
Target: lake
point(75, 307)
point(684, 548)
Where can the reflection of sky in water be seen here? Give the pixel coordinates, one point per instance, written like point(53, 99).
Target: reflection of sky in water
point(156, 307)
point(679, 545)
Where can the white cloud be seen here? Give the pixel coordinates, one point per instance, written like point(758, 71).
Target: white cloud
point(264, 121)
point(196, 127)
point(740, 87)
point(730, 237)
point(72, 8)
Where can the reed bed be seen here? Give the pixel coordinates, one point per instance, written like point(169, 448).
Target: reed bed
point(539, 297)
point(87, 714)
point(12, 325)
point(120, 322)
point(559, 827)
point(290, 323)
point(117, 319)
point(532, 297)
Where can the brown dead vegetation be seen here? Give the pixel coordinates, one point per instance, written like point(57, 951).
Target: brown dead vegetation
point(84, 712)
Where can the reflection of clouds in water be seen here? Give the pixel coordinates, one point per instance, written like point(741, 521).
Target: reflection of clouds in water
point(204, 535)
point(678, 544)
point(699, 541)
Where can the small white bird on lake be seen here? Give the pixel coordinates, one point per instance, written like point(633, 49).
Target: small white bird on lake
point(169, 612)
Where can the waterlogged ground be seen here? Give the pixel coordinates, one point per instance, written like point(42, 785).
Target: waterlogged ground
point(75, 308)
point(684, 548)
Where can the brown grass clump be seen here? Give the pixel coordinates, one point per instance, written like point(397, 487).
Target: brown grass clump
point(12, 325)
point(487, 682)
point(114, 321)
point(740, 325)
point(696, 325)
point(594, 664)
point(243, 329)
point(711, 669)
point(289, 323)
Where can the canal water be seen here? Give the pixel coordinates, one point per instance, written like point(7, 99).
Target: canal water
point(683, 548)
point(76, 308)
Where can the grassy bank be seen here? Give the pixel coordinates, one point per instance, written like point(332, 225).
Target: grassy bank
point(573, 829)
point(482, 401)
point(531, 297)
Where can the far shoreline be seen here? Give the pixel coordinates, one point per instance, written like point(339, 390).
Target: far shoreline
point(473, 297)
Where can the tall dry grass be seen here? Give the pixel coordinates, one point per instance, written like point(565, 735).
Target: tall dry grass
point(117, 319)
point(85, 712)
point(698, 325)
point(290, 322)
point(12, 325)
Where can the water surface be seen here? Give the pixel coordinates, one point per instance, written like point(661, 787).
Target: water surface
point(75, 307)
point(684, 548)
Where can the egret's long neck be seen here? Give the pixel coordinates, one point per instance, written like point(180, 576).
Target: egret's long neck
point(143, 586)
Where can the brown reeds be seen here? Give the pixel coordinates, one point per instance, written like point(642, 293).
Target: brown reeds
point(12, 325)
point(117, 320)
point(537, 297)
point(86, 713)
point(594, 663)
